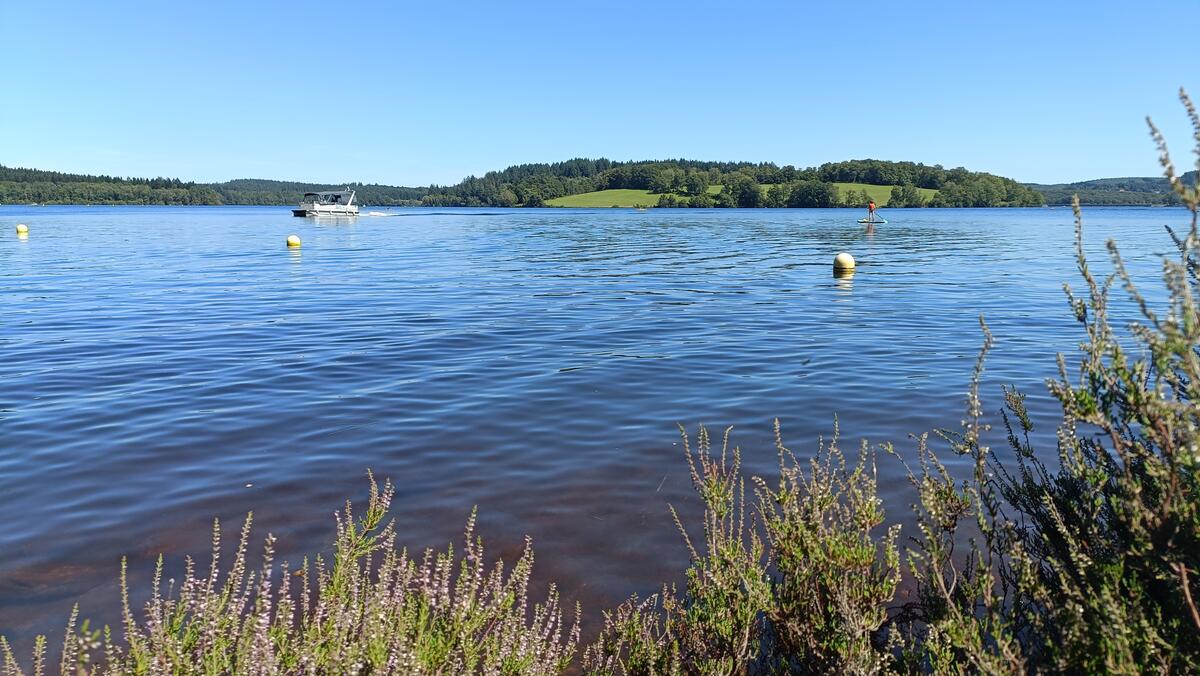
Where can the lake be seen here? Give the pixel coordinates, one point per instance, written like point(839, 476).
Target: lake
point(162, 367)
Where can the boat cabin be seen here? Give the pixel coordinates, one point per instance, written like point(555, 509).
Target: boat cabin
point(330, 197)
point(327, 203)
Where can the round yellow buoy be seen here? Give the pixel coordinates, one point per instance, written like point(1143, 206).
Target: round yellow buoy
point(843, 261)
point(293, 240)
point(22, 229)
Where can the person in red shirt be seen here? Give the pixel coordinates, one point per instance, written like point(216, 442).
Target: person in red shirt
point(871, 210)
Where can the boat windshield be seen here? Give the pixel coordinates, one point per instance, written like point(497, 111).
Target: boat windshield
point(328, 197)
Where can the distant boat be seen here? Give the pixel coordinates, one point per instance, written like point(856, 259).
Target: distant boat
point(327, 203)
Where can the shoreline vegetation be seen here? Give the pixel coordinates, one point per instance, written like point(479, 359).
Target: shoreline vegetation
point(813, 194)
point(602, 183)
point(1088, 565)
point(1132, 191)
point(695, 184)
point(577, 183)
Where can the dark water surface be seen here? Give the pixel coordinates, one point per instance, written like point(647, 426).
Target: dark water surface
point(160, 367)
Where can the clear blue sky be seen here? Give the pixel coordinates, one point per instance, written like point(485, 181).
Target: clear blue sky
point(414, 93)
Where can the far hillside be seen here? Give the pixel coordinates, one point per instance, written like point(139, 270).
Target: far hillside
point(24, 186)
point(1127, 191)
point(578, 182)
point(260, 191)
point(691, 183)
point(848, 195)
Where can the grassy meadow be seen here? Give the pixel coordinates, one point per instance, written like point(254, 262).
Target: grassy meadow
point(607, 198)
point(629, 198)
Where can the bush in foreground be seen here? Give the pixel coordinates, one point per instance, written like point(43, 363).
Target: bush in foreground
point(373, 609)
point(1087, 567)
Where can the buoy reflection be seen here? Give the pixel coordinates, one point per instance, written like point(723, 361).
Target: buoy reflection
point(844, 279)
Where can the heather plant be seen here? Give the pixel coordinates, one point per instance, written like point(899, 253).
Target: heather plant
point(833, 576)
point(372, 609)
point(1089, 567)
point(715, 626)
point(1111, 540)
point(962, 617)
point(799, 585)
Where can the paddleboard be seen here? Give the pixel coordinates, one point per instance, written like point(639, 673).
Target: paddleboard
point(867, 220)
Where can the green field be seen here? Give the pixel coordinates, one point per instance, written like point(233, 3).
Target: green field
point(607, 198)
point(644, 198)
point(880, 193)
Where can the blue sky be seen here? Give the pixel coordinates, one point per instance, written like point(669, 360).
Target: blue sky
point(418, 93)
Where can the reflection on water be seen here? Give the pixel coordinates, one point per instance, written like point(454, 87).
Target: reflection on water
point(184, 366)
point(844, 280)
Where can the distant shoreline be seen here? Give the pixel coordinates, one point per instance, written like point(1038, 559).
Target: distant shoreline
point(577, 208)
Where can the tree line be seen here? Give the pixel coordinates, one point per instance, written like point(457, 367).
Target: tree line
point(678, 182)
point(25, 186)
point(802, 194)
point(685, 183)
point(1062, 197)
point(265, 192)
point(1126, 191)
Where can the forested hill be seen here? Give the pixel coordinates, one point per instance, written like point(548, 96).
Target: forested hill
point(261, 191)
point(672, 183)
point(24, 186)
point(1128, 191)
point(687, 182)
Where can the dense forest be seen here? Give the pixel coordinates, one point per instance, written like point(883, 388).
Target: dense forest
point(686, 183)
point(678, 182)
point(260, 191)
point(26, 186)
point(1129, 191)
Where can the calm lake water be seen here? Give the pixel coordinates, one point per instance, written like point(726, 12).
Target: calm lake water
point(160, 367)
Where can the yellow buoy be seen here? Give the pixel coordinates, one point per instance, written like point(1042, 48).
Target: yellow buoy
point(293, 240)
point(843, 261)
point(22, 229)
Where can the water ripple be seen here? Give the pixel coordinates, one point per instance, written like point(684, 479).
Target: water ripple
point(166, 366)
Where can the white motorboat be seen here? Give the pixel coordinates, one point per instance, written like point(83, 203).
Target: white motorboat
point(327, 203)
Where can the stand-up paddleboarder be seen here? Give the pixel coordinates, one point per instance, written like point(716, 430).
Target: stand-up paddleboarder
point(871, 211)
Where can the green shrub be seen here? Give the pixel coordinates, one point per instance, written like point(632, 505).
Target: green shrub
point(1090, 567)
point(715, 626)
point(373, 609)
point(804, 589)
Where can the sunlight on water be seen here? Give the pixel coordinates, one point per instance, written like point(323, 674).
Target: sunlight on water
point(164, 366)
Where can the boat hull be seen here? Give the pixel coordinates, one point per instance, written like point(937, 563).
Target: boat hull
point(336, 203)
point(325, 212)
